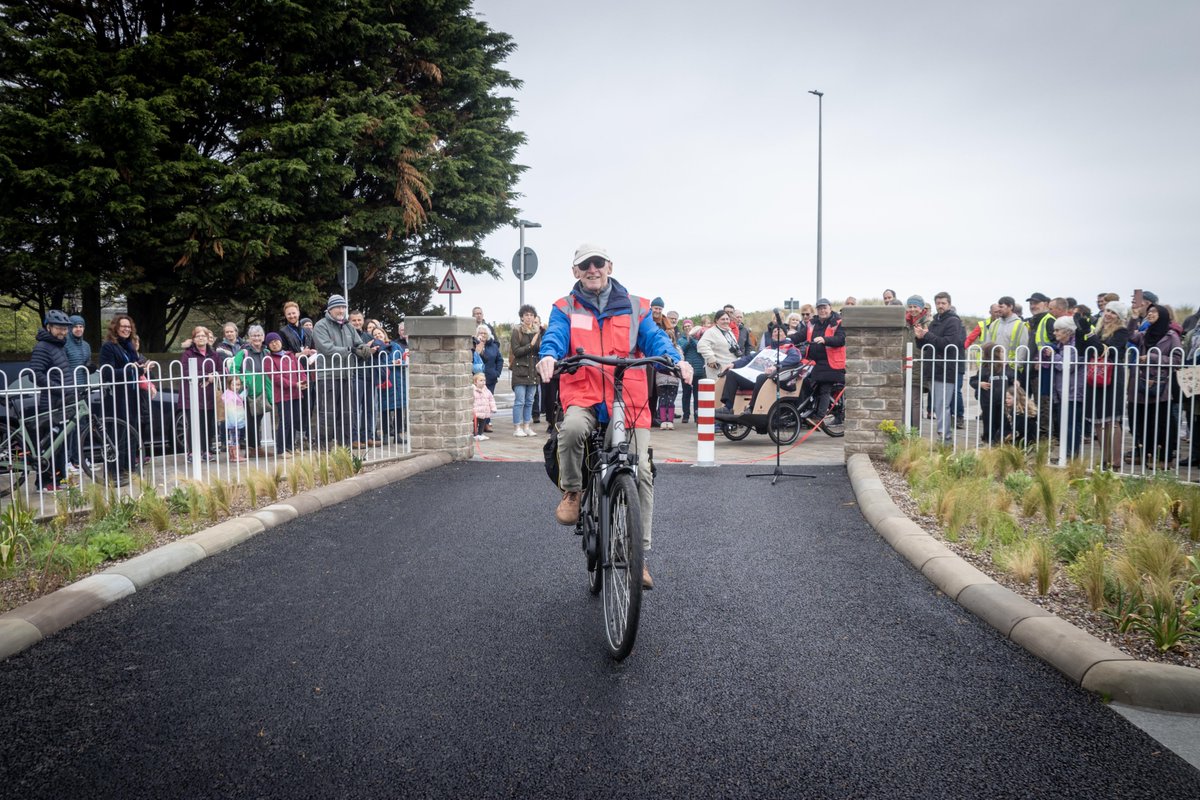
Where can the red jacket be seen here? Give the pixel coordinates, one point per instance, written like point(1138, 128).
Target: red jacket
point(590, 386)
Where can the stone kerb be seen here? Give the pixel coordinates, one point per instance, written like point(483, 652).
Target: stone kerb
point(875, 337)
point(439, 371)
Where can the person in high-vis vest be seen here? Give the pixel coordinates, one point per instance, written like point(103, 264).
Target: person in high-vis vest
point(601, 317)
point(827, 347)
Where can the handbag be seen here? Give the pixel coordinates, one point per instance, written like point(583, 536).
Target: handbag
point(1100, 374)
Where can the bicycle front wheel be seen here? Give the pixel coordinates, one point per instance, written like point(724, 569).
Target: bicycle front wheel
point(111, 449)
point(622, 565)
point(783, 424)
point(12, 459)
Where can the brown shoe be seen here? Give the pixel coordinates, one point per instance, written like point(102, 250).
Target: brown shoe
point(567, 512)
point(647, 581)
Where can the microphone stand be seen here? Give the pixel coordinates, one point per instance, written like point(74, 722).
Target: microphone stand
point(778, 472)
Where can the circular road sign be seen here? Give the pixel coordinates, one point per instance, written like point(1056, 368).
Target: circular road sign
point(530, 263)
point(351, 276)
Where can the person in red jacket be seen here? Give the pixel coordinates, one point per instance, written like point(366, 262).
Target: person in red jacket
point(826, 342)
point(602, 317)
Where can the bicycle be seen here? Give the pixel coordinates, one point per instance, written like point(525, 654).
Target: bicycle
point(37, 443)
point(610, 522)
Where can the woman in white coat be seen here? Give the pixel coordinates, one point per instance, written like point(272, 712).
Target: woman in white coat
point(718, 346)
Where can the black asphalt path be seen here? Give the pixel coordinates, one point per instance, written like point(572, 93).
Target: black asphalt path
point(436, 639)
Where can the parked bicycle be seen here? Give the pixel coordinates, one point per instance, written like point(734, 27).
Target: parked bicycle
point(37, 444)
point(610, 522)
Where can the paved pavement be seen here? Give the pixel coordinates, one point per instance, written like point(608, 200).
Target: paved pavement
point(435, 638)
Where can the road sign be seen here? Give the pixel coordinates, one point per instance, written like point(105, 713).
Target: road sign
point(351, 276)
point(530, 263)
point(449, 284)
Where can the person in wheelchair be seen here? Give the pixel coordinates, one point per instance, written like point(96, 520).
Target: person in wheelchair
point(752, 371)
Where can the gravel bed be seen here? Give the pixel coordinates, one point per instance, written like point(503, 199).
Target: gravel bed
point(1064, 599)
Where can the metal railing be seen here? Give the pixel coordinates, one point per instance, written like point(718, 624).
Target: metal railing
point(194, 421)
point(1120, 410)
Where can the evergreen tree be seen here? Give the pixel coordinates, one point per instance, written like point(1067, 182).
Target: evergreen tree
point(207, 152)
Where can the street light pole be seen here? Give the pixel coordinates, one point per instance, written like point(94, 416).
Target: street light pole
point(346, 249)
point(522, 224)
point(820, 109)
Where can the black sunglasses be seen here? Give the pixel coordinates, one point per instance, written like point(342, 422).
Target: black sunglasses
point(595, 261)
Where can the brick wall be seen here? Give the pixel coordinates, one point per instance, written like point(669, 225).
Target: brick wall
point(439, 375)
point(875, 337)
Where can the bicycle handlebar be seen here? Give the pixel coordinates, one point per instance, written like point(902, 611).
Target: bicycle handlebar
point(571, 364)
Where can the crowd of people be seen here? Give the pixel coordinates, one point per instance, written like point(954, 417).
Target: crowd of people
point(714, 345)
point(340, 379)
point(1116, 372)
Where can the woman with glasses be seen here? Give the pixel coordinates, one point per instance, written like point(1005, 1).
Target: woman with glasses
point(127, 370)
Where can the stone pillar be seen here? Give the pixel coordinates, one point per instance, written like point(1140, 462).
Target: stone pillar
point(875, 337)
point(439, 384)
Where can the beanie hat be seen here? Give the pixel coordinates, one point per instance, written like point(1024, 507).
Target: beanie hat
point(273, 337)
point(915, 300)
point(1150, 297)
point(336, 301)
point(658, 301)
point(306, 319)
point(77, 320)
point(1118, 308)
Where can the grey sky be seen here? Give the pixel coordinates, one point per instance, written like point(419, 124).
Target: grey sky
point(984, 149)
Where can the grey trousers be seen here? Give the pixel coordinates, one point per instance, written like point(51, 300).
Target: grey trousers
point(577, 425)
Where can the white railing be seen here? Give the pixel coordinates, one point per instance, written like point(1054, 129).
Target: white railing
point(1117, 410)
point(125, 431)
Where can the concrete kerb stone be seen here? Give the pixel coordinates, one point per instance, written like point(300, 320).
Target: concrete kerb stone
point(999, 607)
point(57, 610)
point(1166, 687)
point(919, 549)
point(16, 635)
point(26, 625)
point(897, 528)
point(275, 514)
point(334, 493)
point(1063, 646)
point(303, 503)
point(952, 575)
point(227, 534)
point(1094, 665)
point(158, 563)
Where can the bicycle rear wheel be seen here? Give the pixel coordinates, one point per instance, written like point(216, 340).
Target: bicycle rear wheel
point(622, 566)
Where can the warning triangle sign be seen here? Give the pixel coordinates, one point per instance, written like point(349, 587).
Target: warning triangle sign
point(449, 284)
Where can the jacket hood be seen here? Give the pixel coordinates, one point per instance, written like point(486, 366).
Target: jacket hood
point(44, 335)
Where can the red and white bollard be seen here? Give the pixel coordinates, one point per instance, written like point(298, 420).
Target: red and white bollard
point(706, 449)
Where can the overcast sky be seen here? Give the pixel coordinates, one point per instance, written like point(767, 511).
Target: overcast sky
point(978, 148)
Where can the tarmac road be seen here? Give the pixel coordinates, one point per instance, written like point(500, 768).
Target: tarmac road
point(435, 639)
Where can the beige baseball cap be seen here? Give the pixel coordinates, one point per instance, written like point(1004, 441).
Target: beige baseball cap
point(586, 251)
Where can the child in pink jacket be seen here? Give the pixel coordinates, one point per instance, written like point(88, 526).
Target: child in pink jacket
point(485, 405)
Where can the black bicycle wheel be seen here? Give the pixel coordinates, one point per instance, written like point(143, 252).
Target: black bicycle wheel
point(111, 448)
point(12, 459)
point(783, 424)
point(622, 566)
point(735, 431)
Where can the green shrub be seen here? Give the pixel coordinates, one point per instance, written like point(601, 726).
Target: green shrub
point(112, 545)
point(1072, 538)
point(1017, 484)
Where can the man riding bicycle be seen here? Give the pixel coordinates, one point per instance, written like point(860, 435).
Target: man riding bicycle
point(601, 317)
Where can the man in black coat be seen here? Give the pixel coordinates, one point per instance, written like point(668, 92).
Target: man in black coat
point(51, 366)
point(826, 341)
point(941, 368)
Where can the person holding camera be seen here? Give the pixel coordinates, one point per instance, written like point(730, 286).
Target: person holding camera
point(718, 345)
